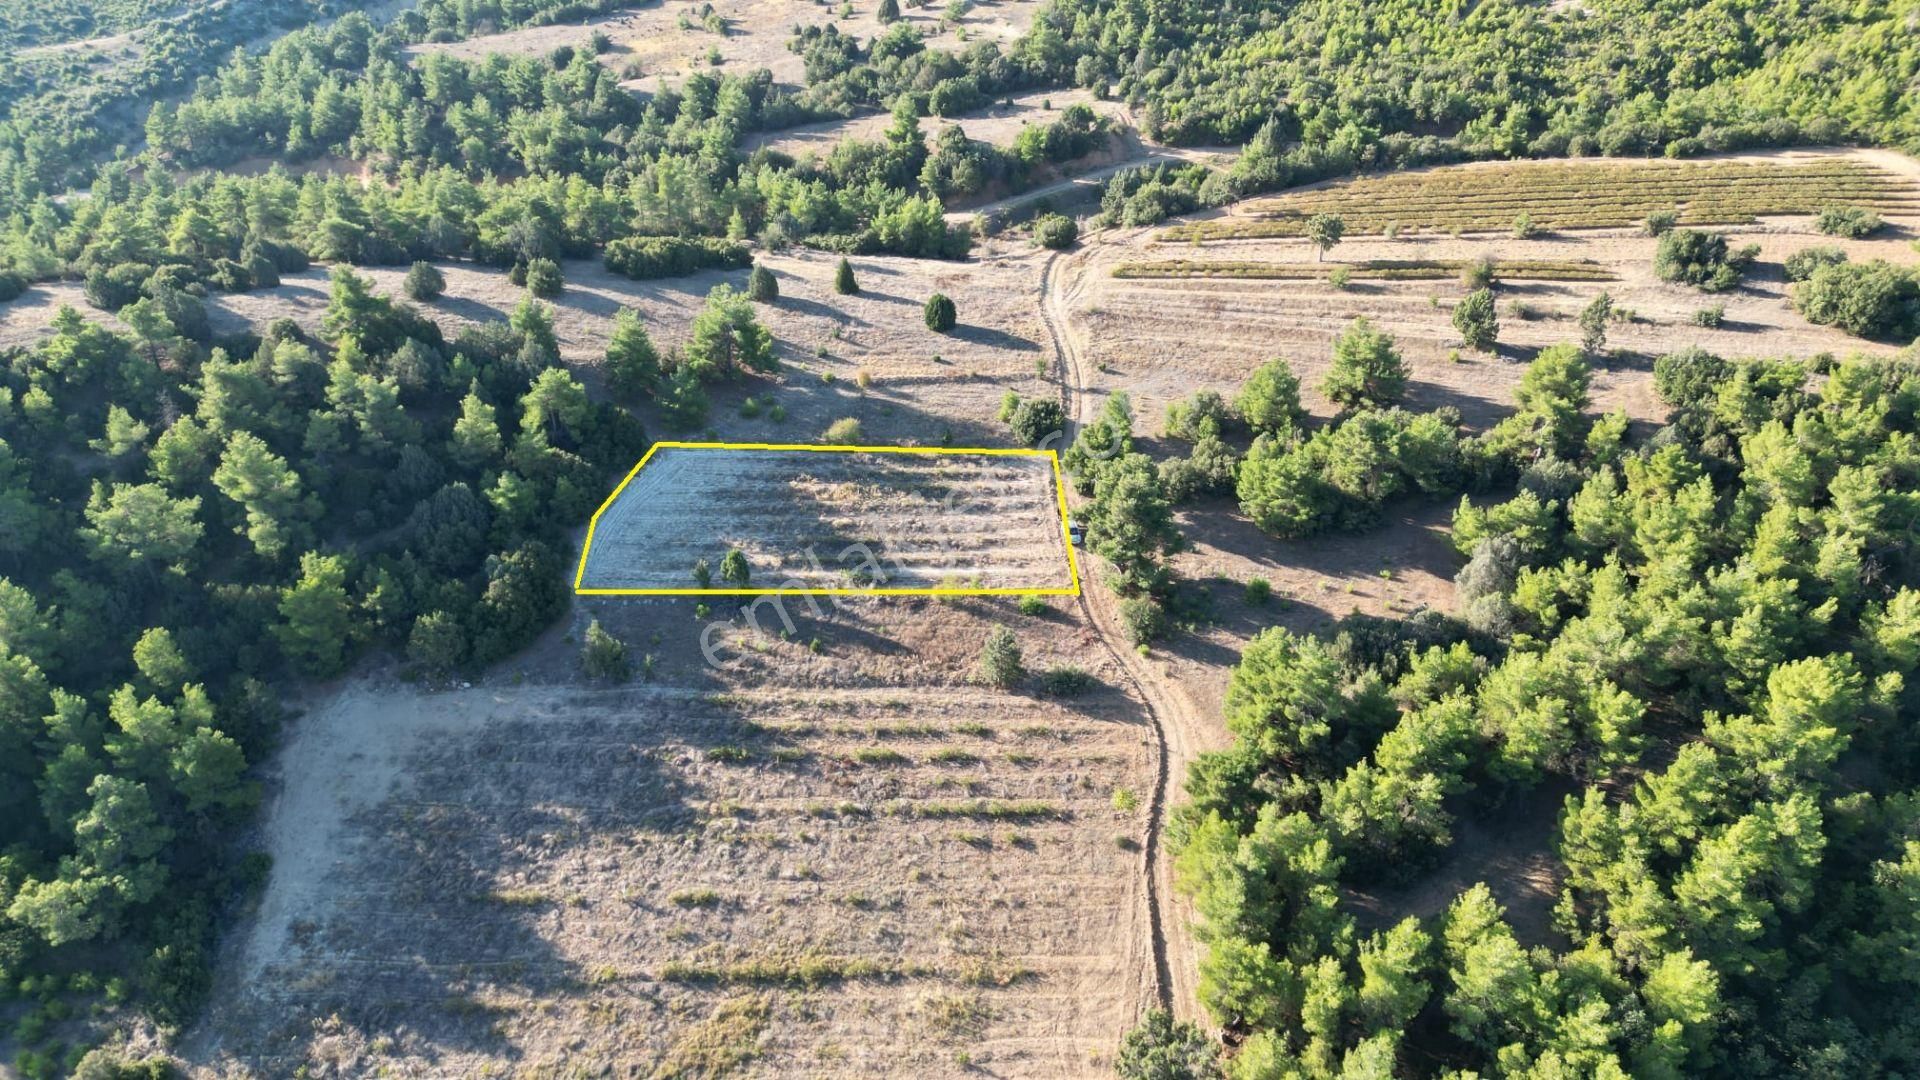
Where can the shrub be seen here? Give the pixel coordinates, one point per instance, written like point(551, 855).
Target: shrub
point(762, 287)
point(1259, 590)
point(1479, 273)
point(1269, 401)
point(642, 257)
point(1660, 222)
point(544, 280)
point(1065, 681)
point(1801, 264)
point(843, 432)
point(1339, 276)
point(1164, 1049)
point(734, 570)
point(702, 573)
point(1034, 419)
point(940, 314)
point(1852, 222)
point(843, 282)
point(1056, 231)
point(1034, 606)
point(604, 656)
point(1144, 619)
point(1872, 299)
point(1523, 226)
point(424, 282)
point(1701, 259)
point(1475, 318)
point(1000, 662)
point(1205, 413)
point(1710, 317)
point(1367, 370)
point(1593, 323)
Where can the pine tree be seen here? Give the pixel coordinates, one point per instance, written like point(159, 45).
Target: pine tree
point(843, 282)
point(762, 287)
point(940, 314)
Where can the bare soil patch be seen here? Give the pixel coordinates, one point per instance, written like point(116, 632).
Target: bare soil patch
point(830, 519)
point(838, 860)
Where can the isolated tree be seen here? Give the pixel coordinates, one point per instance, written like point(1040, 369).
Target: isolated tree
point(762, 286)
point(424, 282)
point(1474, 317)
point(682, 400)
point(633, 364)
point(888, 12)
point(1593, 323)
point(1033, 420)
point(1324, 232)
point(1269, 401)
point(1367, 371)
point(702, 573)
point(843, 282)
point(1000, 662)
point(604, 656)
point(727, 338)
point(544, 280)
point(1056, 231)
point(734, 570)
point(939, 313)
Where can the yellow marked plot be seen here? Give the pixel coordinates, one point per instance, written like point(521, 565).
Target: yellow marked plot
point(834, 521)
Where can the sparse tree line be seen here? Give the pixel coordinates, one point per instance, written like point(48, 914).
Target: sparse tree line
point(1709, 638)
point(190, 519)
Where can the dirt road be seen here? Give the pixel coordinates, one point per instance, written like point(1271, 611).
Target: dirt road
point(1178, 727)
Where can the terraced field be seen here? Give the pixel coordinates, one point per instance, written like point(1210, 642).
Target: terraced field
point(834, 520)
point(1369, 270)
point(1568, 195)
point(828, 858)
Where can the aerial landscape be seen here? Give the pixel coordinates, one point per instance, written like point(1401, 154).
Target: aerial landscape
point(1017, 538)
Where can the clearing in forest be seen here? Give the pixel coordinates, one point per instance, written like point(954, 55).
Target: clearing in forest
point(1568, 195)
point(832, 520)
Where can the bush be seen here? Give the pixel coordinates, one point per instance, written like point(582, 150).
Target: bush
point(1269, 401)
point(762, 286)
point(1801, 264)
point(1873, 299)
point(1701, 259)
point(604, 656)
point(1034, 419)
point(1056, 231)
point(843, 432)
point(940, 314)
point(1259, 590)
point(1660, 222)
point(1000, 662)
point(843, 282)
point(734, 570)
point(1065, 681)
point(544, 280)
point(1143, 618)
point(1475, 318)
point(1479, 273)
point(114, 287)
point(642, 257)
point(424, 282)
point(1852, 222)
point(1163, 1049)
point(1710, 317)
point(11, 286)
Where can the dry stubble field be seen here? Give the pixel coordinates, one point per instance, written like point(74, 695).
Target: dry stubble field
point(835, 520)
point(848, 860)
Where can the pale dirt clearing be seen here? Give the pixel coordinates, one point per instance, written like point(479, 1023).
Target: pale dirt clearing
point(835, 860)
point(668, 41)
point(832, 519)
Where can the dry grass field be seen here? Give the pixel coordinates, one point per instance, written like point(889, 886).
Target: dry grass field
point(835, 520)
point(835, 855)
point(668, 41)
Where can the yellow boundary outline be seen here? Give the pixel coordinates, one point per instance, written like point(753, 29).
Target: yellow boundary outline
point(1059, 489)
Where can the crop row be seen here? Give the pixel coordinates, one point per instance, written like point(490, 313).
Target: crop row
point(1380, 269)
point(1561, 196)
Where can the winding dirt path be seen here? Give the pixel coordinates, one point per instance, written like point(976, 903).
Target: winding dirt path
point(1174, 720)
